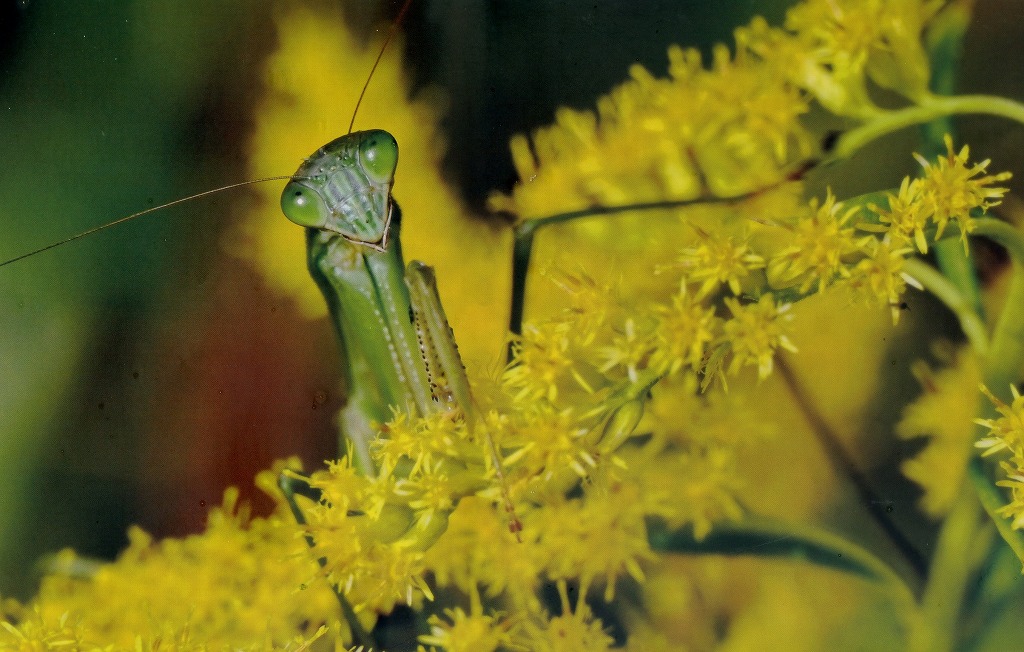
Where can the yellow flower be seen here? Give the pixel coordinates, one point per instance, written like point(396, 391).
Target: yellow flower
point(880, 278)
point(906, 216)
point(943, 413)
point(831, 48)
point(719, 260)
point(543, 360)
point(575, 630)
point(477, 553)
point(242, 584)
point(629, 350)
point(1006, 433)
point(819, 243)
point(30, 632)
point(950, 189)
point(724, 131)
point(462, 632)
point(599, 537)
point(755, 332)
point(684, 330)
point(364, 531)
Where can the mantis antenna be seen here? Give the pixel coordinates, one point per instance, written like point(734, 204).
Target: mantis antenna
point(128, 218)
point(391, 33)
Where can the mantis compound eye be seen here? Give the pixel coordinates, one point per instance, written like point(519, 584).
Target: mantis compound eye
point(378, 153)
point(304, 206)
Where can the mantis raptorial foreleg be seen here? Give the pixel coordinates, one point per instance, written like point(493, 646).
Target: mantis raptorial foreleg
point(445, 371)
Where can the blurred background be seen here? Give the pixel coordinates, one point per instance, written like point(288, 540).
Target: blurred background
point(142, 370)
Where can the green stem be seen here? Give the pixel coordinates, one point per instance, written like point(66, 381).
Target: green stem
point(950, 571)
point(522, 250)
point(1002, 365)
point(953, 298)
point(952, 567)
point(930, 108)
point(761, 537)
point(992, 499)
point(956, 285)
point(842, 462)
point(1004, 362)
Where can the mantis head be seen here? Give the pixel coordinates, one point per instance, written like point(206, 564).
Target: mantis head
point(345, 188)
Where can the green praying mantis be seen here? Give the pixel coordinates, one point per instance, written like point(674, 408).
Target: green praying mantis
point(401, 352)
point(342, 195)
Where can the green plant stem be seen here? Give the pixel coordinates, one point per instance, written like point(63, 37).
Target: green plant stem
point(951, 569)
point(1003, 365)
point(992, 500)
point(844, 464)
point(768, 538)
point(953, 298)
point(930, 108)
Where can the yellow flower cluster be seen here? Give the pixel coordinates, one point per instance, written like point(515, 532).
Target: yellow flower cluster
point(727, 130)
point(943, 413)
point(245, 583)
point(1006, 434)
point(833, 48)
point(948, 190)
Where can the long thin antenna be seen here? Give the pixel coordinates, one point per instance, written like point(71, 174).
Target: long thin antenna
point(140, 214)
point(383, 48)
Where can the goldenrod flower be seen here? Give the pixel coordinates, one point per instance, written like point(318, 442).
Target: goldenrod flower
point(943, 413)
point(879, 277)
point(462, 632)
point(685, 328)
point(233, 586)
point(906, 216)
point(542, 360)
point(1006, 433)
point(602, 536)
point(950, 190)
point(575, 630)
point(755, 332)
point(831, 48)
point(719, 260)
point(820, 243)
point(723, 131)
point(629, 350)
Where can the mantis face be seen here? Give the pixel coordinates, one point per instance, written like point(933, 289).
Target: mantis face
point(345, 188)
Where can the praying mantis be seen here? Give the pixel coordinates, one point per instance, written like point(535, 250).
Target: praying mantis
point(400, 351)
